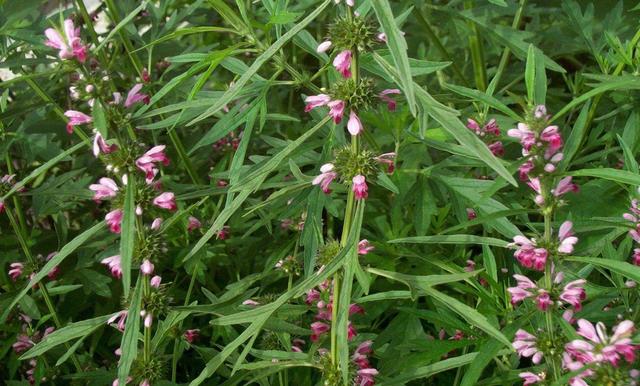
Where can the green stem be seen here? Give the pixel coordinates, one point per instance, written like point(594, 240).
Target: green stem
point(548, 286)
point(477, 56)
point(507, 52)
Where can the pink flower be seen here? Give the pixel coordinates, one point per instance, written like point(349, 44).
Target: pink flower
point(327, 175)
point(155, 281)
point(526, 136)
point(22, 344)
point(15, 270)
point(114, 219)
point(113, 262)
point(364, 247)
point(194, 223)
point(313, 296)
point(496, 148)
point(530, 378)
point(360, 187)
point(521, 291)
point(574, 293)
point(359, 356)
point(492, 127)
point(317, 329)
point(603, 348)
point(342, 63)
point(540, 112)
point(146, 267)
point(324, 46)
point(527, 254)
point(355, 309)
point(524, 170)
point(636, 256)
point(223, 233)
point(147, 162)
point(107, 188)
point(250, 303)
point(192, 335)
point(148, 320)
point(387, 159)
point(365, 377)
point(336, 110)
point(166, 200)
point(135, 96)
point(565, 186)
point(525, 345)
point(384, 96)
point(471, 214)
point(566, 237)
point(314, 101)
point(551, 135)
point(100, 145)
point(543, 300)
point(156, 224)
point(70, 46)
point(354, 126)
point(145, 383)
point(76, 118)
point(121, 317)
point(534, 183)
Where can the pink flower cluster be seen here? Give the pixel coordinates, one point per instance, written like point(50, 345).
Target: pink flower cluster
point(598, 348)
point(490, 133)
point(365, 375)
point(70, 45)
point(322, 299)
point(634, 217)
point(532, 256)
point(572, 293)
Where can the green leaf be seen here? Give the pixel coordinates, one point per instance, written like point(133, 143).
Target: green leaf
point(576, 137)
point(610, 174)
point(430, 370)
point(120, 25)
point(41, 170)
point(485, 98)
point(452, 239)
point(255, 66)
point(69, 332)
point(622, 267)
point(127, 235)
point(129, 342)
point(398, 47)
point(51, 264)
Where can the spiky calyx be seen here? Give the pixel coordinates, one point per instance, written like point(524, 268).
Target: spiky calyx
point(327, 252)
point(349, 164)
point(358, 95)
point(348, 33)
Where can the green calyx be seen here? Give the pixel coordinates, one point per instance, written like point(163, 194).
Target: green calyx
point(349, 164)
point(348, 33)
point(358, 95)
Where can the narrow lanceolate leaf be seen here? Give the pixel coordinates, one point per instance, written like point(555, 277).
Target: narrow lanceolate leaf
point(120, 25)
point(41, 170)
point(452, 239)
point(616, 175)
point(430, 370)
point(51, 264)
point(65, 334)
point(129, 342)
point(398, 48)
point(127, 235)
point(489, 100)
point(622, 267)
point(253, 69)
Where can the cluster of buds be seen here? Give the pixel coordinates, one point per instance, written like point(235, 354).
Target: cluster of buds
point(488, 133)
point(289, 265)
point(227, 143)
point(572, 294)
point(634, 217)
point(534, 256)
point(322, 299)
point(353, 169)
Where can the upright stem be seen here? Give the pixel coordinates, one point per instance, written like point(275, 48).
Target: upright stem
point(548, 284)
point(477, 56)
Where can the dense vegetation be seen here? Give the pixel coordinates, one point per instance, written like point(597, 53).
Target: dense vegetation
point(319, 192)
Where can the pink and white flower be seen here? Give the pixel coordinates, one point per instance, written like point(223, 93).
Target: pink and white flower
point(384, 96)
point(114, 220)
point(574, 293)
point(106, 188)
point(155, 281)
point(526, 136)
point(146, 267)
point(565, 186)
point(566, 238)
point(359, 187)
point(135, 96)
point(166, 200)
point(317, 329)
point(114, 265)
point(314, 101)
point(354, 126)
point(147, 162)
point(76, 118)
point(324, 46)
point(15, 270)
point(68, 46)
point(101, 146)
point(530, 378)
point(364, 247)
point(194, 223)
point(342, 63)
point(326, 176)
point(336, 110)
point(525, 345)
